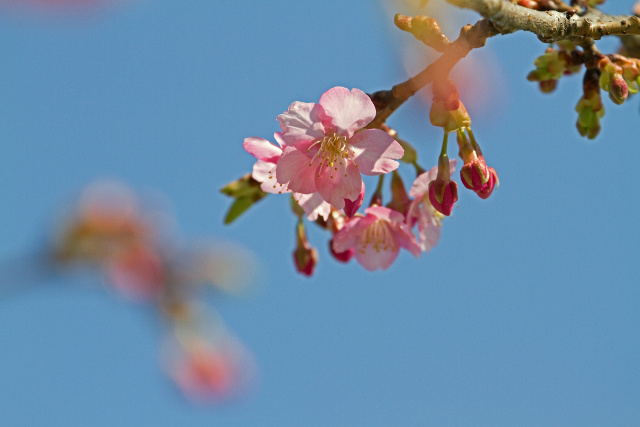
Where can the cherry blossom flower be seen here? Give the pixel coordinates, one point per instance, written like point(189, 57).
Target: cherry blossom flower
point(376, 237)
point(264, 171)
point(422, 211)
point(327, 150)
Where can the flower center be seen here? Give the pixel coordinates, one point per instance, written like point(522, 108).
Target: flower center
point(436, 217)
point(378, 236)
point(334, 153)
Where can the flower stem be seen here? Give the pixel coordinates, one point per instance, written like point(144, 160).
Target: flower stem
point(474, 143)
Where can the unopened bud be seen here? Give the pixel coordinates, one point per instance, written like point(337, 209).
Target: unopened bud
point(548, 86)
point(493, 182)
point(423, 28)
point(450, 120)
point(305, 257)
point(619, 91)
point(443, 194)
point(475, 175)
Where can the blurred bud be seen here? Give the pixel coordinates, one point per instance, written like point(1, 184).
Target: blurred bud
point(138, 273)
point(423, 28)
point(208, 372)
point(106, 222)
point(548, 86)
point(531, 4)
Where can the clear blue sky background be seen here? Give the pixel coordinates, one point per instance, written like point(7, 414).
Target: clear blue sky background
point(527, 313)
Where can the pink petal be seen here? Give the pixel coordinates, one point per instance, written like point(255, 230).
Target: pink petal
point(265, 173)
point(262, 170)
point(420, 186)
point(412, 214)
point(405, 238)
point(262, 149)
point(371, 259)
point(303, 121)
point(381, 212)
point(293, 168)
point(375, 151)
point(313, 205)
point(429, 233)
point(349, 235)
point(278, 137)
point(349, 111)
point(336, 185)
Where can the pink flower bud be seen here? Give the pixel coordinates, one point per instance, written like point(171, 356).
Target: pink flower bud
point(475, 175)
point(443, 194)
point(305, 256)
point(619, 90)
point(490, 185)
point(305, 259)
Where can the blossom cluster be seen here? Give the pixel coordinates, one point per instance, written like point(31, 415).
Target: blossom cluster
point(109, 231)
point(615, 73)
point(318, 157)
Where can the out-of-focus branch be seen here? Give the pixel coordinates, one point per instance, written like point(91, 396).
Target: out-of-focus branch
point(471, 37)
point(631, 44)
point(551, 26)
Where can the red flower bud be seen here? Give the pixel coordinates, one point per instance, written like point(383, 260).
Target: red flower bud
point(475, 175)
point(305, 256)
point(490, 185)
point(305, 259)
point(443, 194)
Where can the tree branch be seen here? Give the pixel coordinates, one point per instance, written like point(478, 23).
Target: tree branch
point(551, 26)
point(471, 37)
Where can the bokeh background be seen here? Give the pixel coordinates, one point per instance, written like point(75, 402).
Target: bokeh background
point(526, 313)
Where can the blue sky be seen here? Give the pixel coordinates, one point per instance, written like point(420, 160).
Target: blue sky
point(526, 312)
